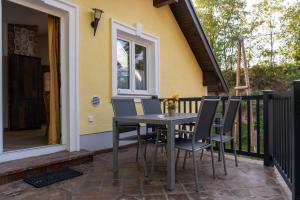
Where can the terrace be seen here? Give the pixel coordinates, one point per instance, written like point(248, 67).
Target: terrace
point(266, 172)
point(251, 180)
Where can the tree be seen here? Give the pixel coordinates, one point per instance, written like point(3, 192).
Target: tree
point(263, 36)
point(264, 77)
point(272, 39)
point(291, 37)
point(223, 21)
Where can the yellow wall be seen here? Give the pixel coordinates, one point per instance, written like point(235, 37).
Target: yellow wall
point(179, 70)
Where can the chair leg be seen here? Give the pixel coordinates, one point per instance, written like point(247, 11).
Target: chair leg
point(166, 150)
point(145, 145)
point(145, 151)
point(195, 171)
point(223, 157)
point(201, 157)
point(235, 156)
point(137, 152)
point(154, 158)
point(142, 153)
point(177, 158)
point(185, 155)
point(212, 160)
point(219, 152)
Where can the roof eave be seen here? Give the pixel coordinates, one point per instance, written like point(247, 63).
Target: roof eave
point(188, 6)
point(207, 46)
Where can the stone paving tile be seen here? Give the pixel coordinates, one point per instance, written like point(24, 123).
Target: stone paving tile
point(178, 197)
point(202, 195)
point(179, 189)
point(250, 181)
point(150, 189)
point(155, 197)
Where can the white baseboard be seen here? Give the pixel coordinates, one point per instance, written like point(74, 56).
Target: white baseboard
point(101, 141)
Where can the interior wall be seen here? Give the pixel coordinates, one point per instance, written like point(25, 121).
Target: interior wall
point(44, 50)
point(5, 76)
point(16, 14)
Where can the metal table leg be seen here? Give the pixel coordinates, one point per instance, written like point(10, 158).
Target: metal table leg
point(171, 157)
point(115, 147)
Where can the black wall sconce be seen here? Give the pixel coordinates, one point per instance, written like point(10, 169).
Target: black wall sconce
point(97, 17)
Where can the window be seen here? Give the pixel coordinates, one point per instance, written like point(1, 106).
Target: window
point(140, 67)
point(123, 62)
point(135, 62)
point(129, 53)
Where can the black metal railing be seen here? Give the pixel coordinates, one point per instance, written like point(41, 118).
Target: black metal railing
point(282, 135)
point(276, 119)
point(191, 105)
point(282, 132)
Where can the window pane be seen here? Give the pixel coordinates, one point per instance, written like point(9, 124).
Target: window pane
point(123, 55)
point(140, 68)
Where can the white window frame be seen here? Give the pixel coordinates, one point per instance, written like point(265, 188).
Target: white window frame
point(135, 35)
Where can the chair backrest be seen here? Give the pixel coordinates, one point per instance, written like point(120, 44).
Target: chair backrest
point(232, 108)
point(206, 116)
point(124, 107)
point(151, 106)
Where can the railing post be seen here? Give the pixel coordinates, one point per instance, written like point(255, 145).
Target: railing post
point(268, 137)
point(296, 139)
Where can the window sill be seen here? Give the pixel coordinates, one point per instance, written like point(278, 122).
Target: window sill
point(137, 97)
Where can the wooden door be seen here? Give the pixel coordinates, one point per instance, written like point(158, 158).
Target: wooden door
point(25, 99)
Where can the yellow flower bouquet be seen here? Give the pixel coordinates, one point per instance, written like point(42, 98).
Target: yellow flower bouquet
point(171, 104)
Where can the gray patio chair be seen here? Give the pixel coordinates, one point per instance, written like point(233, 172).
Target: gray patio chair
point(150, 107)
point(226, 125)
point(126, 107)
point(201, 135)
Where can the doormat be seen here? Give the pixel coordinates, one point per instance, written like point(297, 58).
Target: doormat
point(52, 177)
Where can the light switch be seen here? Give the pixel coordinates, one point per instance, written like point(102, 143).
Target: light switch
point(90, 119)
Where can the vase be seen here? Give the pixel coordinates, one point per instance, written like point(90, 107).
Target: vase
point(171, 112)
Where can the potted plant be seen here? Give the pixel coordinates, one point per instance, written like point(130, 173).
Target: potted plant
point(171, 104)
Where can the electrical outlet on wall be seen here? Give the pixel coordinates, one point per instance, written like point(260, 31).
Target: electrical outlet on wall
point(90, 119)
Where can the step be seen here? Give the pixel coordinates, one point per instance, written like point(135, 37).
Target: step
point(22, 168)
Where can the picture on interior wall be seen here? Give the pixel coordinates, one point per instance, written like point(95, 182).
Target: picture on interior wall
point(23, 39)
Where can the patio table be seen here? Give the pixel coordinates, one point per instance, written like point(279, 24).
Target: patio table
point(170, 121)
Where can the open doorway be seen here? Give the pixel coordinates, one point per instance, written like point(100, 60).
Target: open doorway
point(31, 77)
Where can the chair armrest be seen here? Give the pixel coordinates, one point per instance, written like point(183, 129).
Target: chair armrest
point(162, 130)
point(124, 125)
point(184, 131)
point(218, 125)
point(188, 124)
point(158, 131)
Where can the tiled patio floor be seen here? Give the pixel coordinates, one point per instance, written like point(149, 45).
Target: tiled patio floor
point(251, 180)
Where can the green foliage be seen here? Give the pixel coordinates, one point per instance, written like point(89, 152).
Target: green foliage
point(291, 27)
point(263, 77)
point(223, 22)
point(276, 78)
point(262, 37)
point(275, 66)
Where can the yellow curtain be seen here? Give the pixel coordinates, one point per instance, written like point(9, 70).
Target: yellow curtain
point(54, 119)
